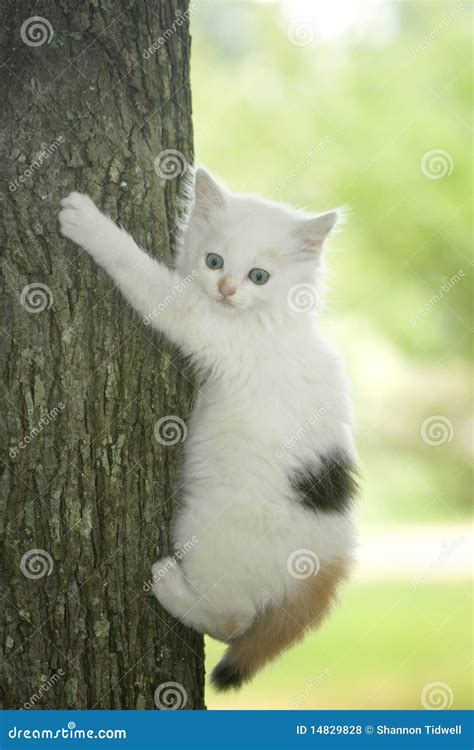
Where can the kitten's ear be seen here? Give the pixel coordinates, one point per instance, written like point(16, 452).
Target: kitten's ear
point(208, 194)
point(311, 233)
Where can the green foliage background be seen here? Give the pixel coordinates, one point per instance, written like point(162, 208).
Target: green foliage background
point(346, 121)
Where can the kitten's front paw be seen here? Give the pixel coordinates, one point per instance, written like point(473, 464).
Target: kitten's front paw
point(80, 219)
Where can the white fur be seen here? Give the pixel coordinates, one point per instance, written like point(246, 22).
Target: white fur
point(272, 396)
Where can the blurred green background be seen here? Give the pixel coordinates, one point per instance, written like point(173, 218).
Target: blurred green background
point(368, 106)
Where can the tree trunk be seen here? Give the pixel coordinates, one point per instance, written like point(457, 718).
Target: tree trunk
point(91, 94)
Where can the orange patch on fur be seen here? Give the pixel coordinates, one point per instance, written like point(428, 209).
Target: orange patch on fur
point(280, 626)
point(230, 628)
point(272, 254)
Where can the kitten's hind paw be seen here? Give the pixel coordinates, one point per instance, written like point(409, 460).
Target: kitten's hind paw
point(167, 582)
point(164, 569)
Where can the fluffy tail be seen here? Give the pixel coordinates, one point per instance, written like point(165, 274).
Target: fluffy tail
point(279, 626)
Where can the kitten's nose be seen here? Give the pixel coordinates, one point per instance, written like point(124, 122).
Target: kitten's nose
point(225, 289)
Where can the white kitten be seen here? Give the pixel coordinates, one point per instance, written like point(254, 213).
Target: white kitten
point(269, 459)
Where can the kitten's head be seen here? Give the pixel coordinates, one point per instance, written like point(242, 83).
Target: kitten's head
point(250, 253)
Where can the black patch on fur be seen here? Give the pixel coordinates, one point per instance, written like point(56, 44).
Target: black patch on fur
point(329, 487)
point(227, 676)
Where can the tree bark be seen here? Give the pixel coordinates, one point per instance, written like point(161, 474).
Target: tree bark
point(87, 490)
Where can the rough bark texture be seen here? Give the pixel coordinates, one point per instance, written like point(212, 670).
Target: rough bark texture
point(89, 485)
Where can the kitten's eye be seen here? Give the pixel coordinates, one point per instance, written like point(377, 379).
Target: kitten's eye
point(259, 276)
point(214, 261)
